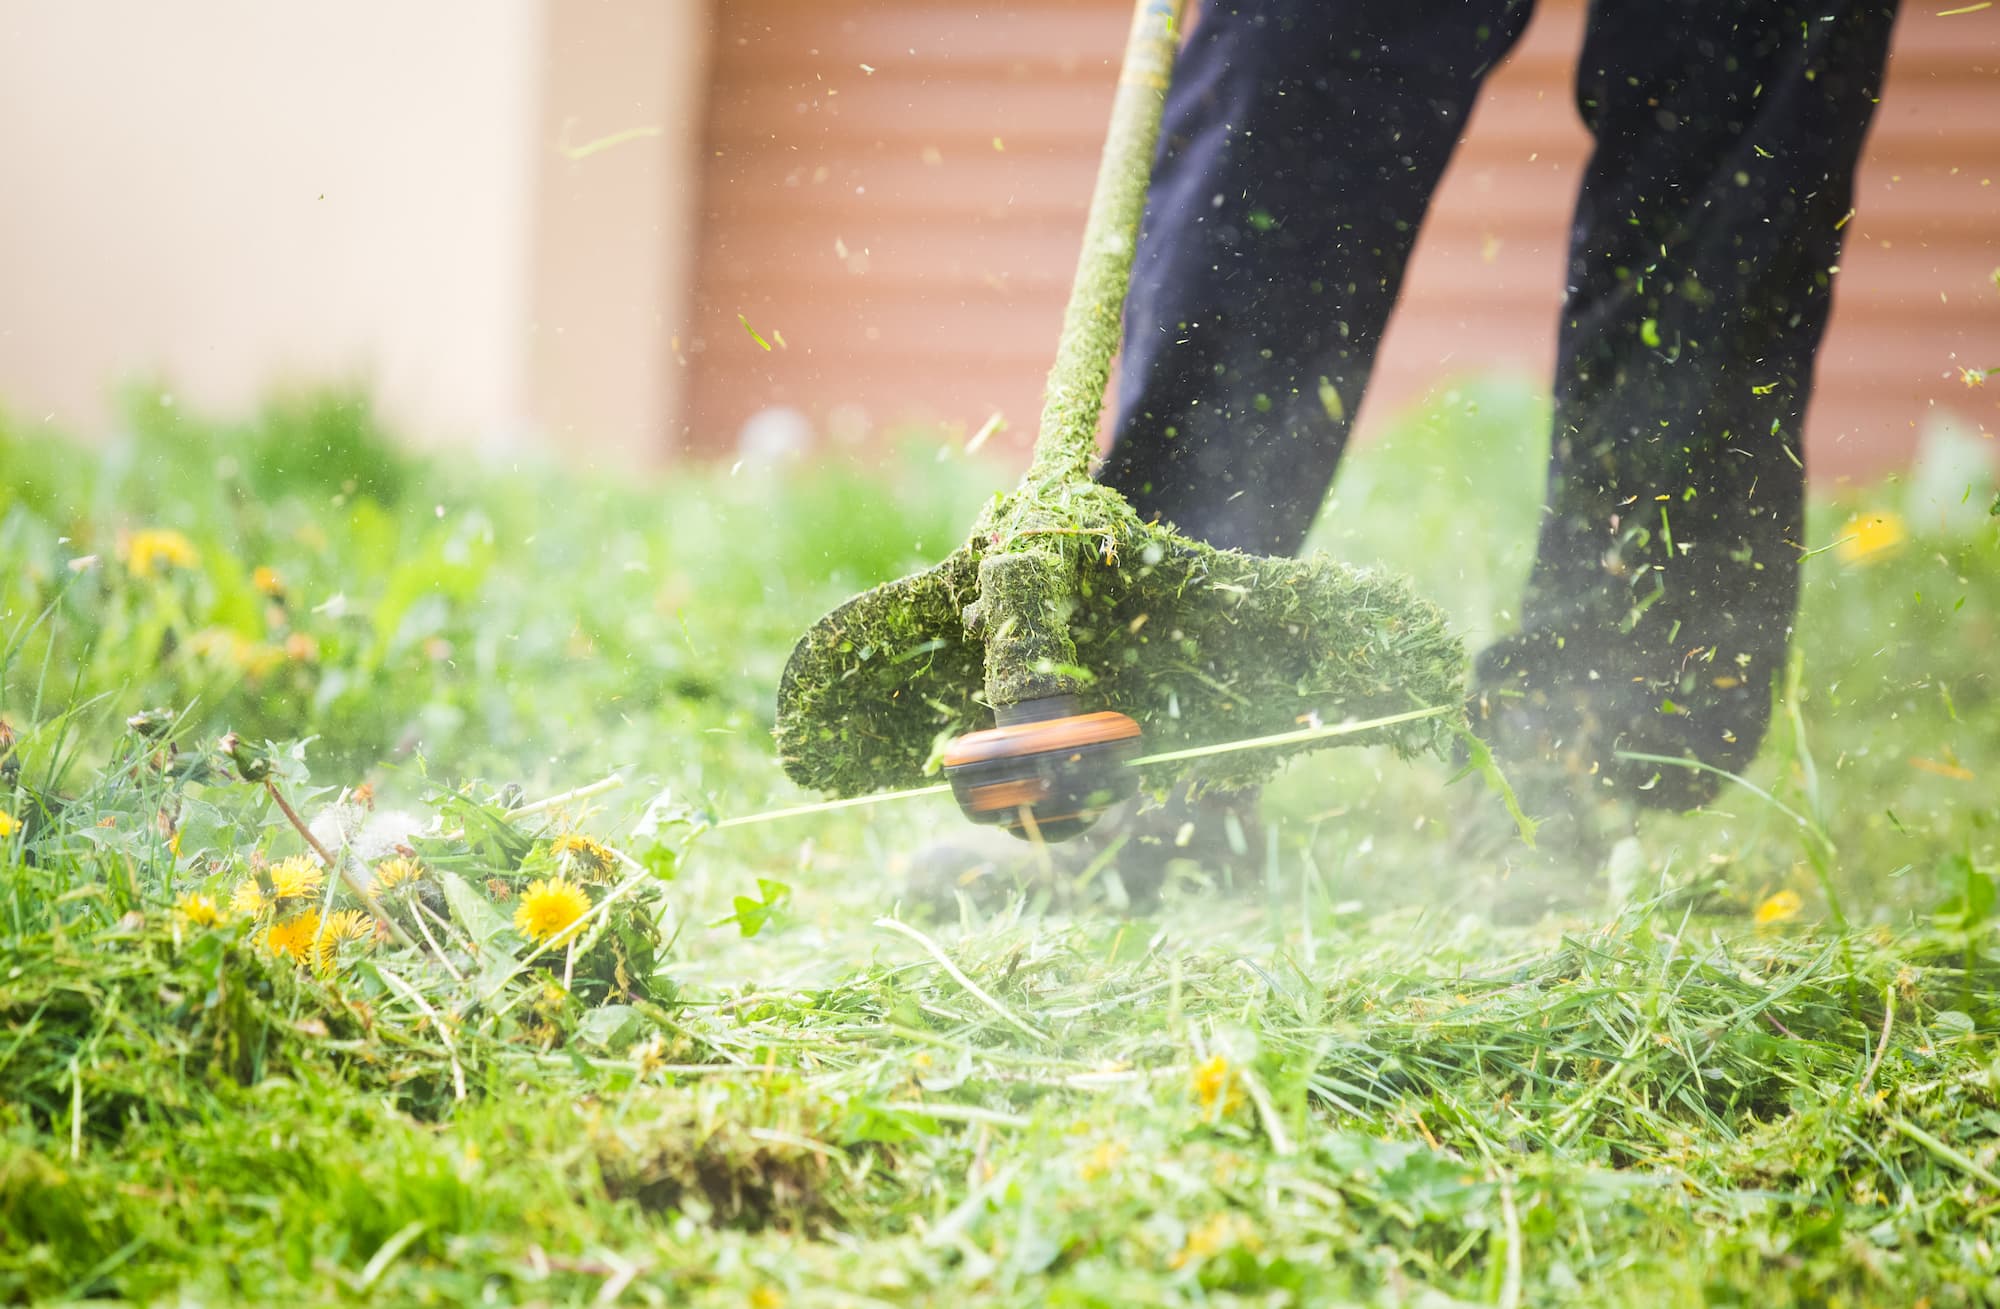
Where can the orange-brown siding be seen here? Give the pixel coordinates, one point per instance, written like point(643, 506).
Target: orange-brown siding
point(896, 190)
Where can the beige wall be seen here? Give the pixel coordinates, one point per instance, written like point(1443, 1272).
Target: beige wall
point(230, 193)
point(226, 192)
point(623, 100)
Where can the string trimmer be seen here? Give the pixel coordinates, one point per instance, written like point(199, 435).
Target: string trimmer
point(1075, 628)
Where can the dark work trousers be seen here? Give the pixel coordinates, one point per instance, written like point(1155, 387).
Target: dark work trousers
point(1303, 140)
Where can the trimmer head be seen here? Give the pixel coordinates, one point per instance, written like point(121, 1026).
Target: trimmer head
point(1044, 771)
point(1195, 645)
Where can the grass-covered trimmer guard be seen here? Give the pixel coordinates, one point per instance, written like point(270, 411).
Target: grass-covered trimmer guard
point(1077, 626)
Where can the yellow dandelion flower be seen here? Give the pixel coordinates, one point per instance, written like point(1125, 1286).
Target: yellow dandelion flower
point(1217, 1086)
point(1101, 1161)
point(1781, 907)
point(549, 910)
point(219, 645)
point(392, 873)
point(343, 925)
point(297, 878)
point(294, 937)
point(154, 551)
point(8, 824)
point(1213, 1235)
point(650, 1054)
point(267, 580)
point(590, 859)
point(249, 899)
point(261, 660)
point(1870, 536)
point(198, 909)
point(351, 925)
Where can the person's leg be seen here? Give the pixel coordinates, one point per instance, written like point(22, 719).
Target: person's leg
point(1302, 141)
point(1707, 236)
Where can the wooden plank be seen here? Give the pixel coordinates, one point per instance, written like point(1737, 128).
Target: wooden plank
point(958, 255)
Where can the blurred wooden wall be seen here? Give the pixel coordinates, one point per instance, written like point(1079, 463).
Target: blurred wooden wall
point(893, 190)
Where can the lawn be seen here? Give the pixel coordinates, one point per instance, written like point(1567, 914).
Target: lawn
point(597, 1049)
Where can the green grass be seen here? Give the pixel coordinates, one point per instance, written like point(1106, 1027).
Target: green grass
point(759, 1079)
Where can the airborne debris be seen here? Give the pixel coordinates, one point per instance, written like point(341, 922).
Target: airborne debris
point(994, 423)
point(1048, 593)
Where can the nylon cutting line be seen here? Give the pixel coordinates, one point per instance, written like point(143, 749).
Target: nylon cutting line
point(1298, 737)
